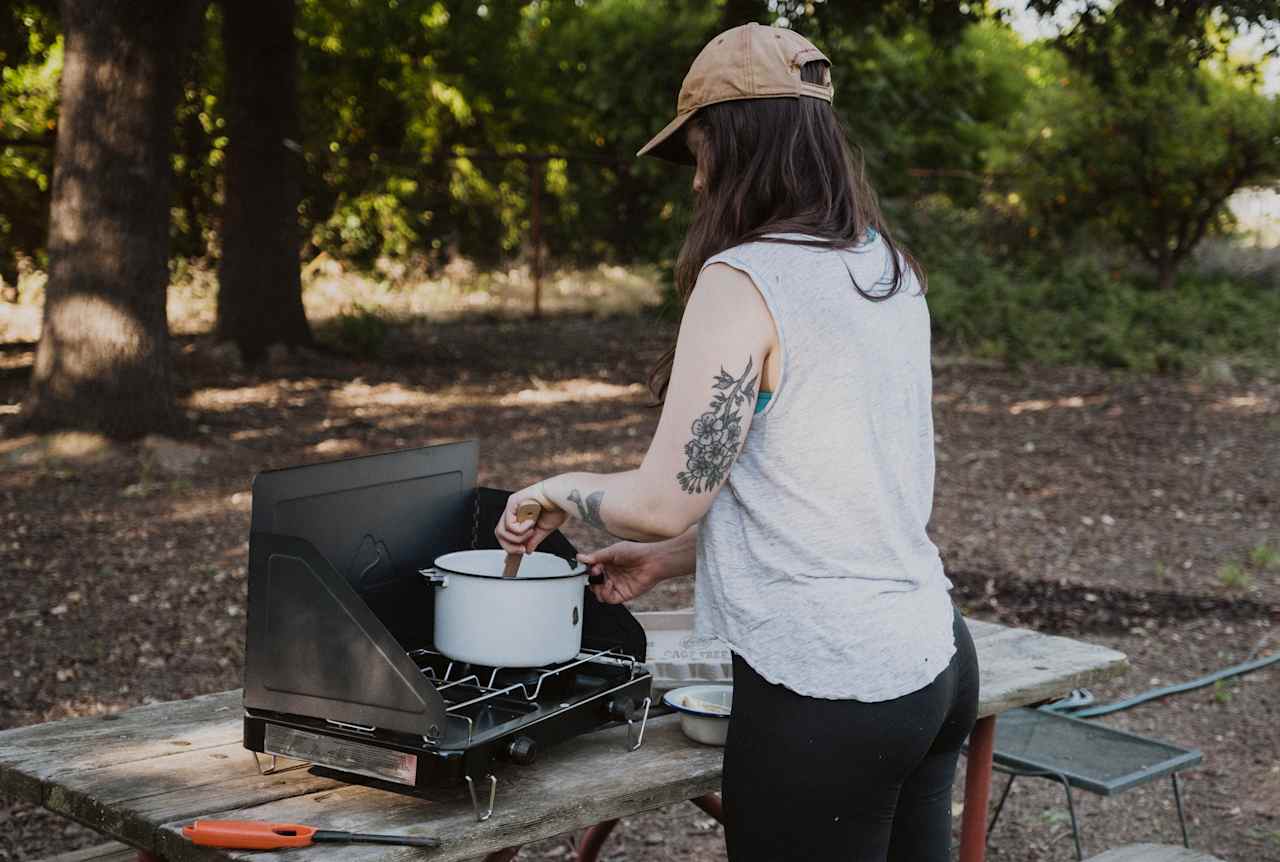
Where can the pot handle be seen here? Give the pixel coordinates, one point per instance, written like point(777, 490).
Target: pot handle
point(434, 578)
point(595, 579)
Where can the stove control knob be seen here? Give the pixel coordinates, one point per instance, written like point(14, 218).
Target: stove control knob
point(622, 709)
point(522, 750)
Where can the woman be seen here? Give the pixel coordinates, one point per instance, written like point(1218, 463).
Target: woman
point(800, 380)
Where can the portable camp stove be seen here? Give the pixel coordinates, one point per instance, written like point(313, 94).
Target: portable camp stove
point(340, 668)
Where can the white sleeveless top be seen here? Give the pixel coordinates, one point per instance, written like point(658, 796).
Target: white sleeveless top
point(813, 561)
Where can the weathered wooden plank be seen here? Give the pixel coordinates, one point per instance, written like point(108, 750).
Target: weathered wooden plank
point(979, 629)
point(18, 785)
point(1022, 667)
point(112, 852)
point(575, 785)
point(127, 800)
point(1152, 853)
point(1004, 640)
point(29, 755)
point(82, 755)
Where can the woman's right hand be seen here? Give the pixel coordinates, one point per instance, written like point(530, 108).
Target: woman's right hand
point(630, 569)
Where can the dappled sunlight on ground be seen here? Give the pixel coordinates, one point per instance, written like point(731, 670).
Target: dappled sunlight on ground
point(335, 447)
point(385, 399)
point(204, 507)
point(223, 399)
point(17, 359)
point(360, 396)
point(630, 423)
point(1247, 404)
point(571, 391)
point(1071, 401)
point(192, 303)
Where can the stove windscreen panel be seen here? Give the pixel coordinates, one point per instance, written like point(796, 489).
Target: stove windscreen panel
point(316, 648)
point(376, 519)
point(335, 598)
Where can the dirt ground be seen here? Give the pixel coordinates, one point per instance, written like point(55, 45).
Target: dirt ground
point(1133, 512)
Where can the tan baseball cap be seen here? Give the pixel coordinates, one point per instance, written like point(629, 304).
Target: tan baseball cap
point(748, 62)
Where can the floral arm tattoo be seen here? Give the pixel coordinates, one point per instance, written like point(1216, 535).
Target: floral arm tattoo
point(716, 433)
point(589, 509)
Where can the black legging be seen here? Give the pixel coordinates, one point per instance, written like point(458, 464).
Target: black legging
point(807, 778)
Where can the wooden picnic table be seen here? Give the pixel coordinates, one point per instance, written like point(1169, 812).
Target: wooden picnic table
point(138, 776)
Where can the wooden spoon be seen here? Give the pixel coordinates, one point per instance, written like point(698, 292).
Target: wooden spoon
point(529, 510)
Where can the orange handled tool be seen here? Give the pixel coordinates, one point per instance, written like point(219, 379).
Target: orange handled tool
point(260, 835)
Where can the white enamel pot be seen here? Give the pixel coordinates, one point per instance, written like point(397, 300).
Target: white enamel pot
point(529, 620)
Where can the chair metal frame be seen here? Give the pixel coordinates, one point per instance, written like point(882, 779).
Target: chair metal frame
point(1026, 764)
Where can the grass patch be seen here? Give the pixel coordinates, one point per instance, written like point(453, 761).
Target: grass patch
point(1234, 577)
point(1265, 557)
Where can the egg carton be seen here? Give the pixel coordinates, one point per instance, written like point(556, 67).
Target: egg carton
point(676, 656)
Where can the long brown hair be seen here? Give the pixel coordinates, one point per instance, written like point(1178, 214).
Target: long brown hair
point(779, 165)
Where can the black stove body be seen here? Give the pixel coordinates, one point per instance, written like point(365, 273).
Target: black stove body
point(340, 669)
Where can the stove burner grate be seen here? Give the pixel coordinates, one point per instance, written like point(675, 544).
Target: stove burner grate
point(481, 700)
point(490, 712)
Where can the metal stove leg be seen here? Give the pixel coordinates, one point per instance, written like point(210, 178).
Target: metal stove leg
point(1182, 820)
point(275, 768)
point(644, 720)
point(475, 803)
point(977, 791)
point(1000, 804)
point(593, 839)
point(711, 804)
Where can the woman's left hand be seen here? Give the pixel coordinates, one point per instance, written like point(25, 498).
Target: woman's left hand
point(518, 537)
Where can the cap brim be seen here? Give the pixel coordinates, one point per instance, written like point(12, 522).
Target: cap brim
point(669, 146)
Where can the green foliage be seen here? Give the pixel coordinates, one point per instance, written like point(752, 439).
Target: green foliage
point(1234, 577)
point(1077, 309)
point(370, 224)
point(30, 67)
point(607, 104)
point(914, 106)
point(1142, 155)
point(200, 143)
point(405, 103)
point(1265, 557)
point(1192, 32)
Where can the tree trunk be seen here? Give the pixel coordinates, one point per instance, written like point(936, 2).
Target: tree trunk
point(103, 358)
point(1167, 273)
point(259, 276)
